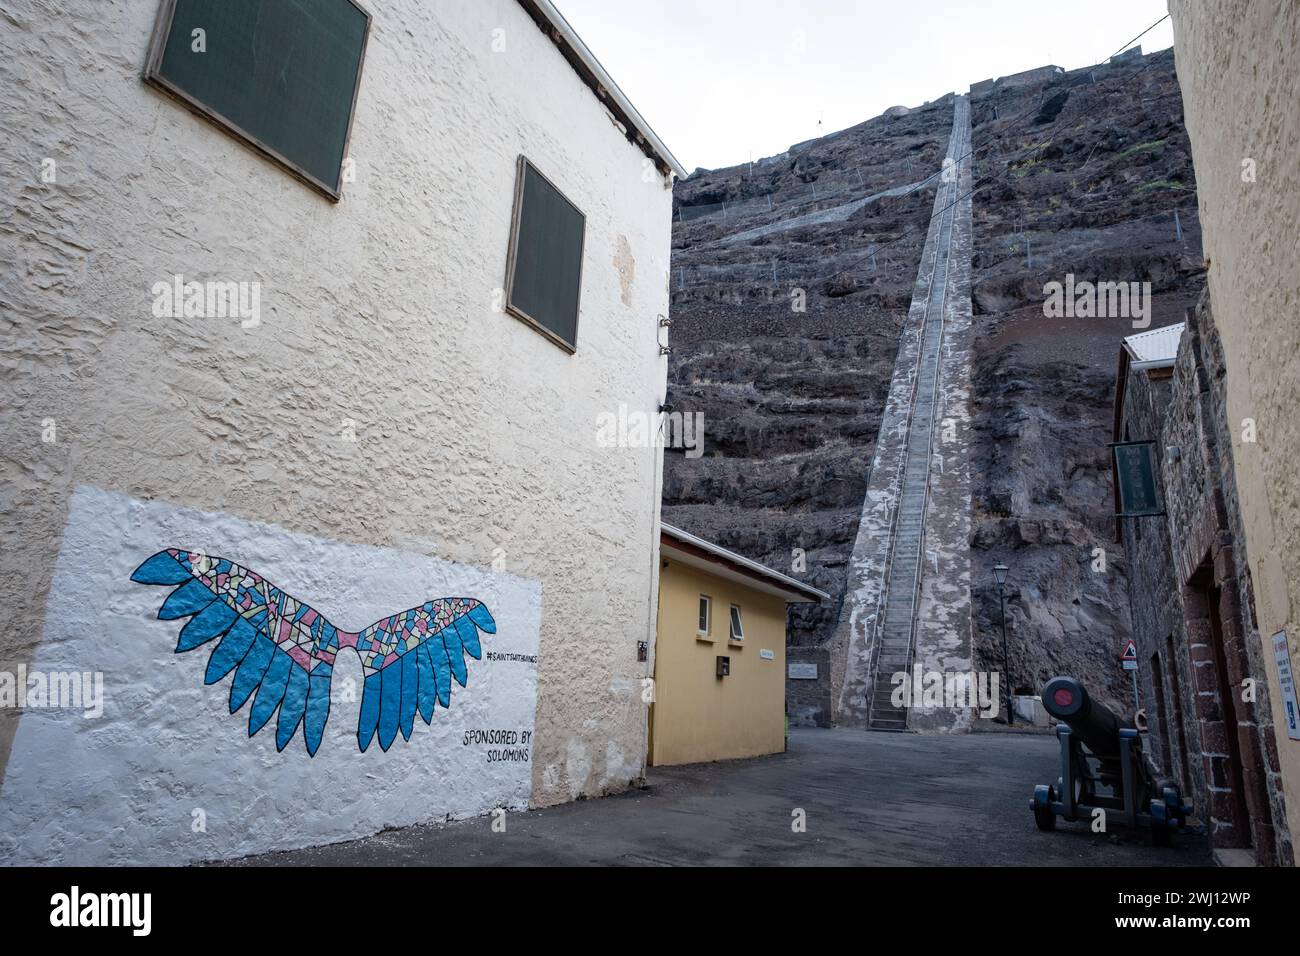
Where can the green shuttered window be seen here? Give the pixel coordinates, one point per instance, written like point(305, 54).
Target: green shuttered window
point(544, 276)
point(282, 75)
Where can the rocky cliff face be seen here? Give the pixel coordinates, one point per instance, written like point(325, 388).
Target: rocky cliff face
point(1075, 172)
point(1080, 174)
point(784, 336)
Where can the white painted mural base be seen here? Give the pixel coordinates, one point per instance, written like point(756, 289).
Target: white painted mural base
point(168, 775)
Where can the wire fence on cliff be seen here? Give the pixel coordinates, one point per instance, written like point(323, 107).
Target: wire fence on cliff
point(1025, 239)
point(827, 187)
point(745, 273)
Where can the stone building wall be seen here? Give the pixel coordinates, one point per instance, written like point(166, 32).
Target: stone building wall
point(808, 699)
point(1156, 609)
point(1192, 608)
point(1238, 66)
point(1209, 545)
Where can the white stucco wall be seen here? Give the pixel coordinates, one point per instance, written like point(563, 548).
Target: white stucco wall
point(474, 436)
point(166, 774)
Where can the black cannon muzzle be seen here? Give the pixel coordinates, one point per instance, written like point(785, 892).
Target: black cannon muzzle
point(1093, 723)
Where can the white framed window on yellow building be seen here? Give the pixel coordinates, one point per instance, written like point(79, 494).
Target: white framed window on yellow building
point(737, 628)
point(706, 615)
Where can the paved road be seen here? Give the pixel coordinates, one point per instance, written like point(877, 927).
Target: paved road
point(870, 799)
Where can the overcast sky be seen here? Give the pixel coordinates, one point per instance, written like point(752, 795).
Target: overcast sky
point(721, 79)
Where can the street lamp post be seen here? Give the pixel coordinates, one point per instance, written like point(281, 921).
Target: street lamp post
point(1000, 575)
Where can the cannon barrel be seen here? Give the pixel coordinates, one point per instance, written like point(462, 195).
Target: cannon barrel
point(1103, 768)
point(1095, 724)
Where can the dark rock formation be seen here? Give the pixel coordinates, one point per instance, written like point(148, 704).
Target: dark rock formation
point(1074, 173)
point(1092, 194)
point(792, 399)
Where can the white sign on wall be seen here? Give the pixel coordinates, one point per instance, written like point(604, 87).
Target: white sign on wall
point(801, 670)
point(1282, 654)
point(168, 774)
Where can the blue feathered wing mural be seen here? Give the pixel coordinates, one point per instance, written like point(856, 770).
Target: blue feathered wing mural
point(285, 650)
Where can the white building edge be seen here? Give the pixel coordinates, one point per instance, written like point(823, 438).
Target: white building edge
point(382, 433)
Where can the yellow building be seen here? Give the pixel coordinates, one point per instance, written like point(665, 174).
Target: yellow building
point(720, 653)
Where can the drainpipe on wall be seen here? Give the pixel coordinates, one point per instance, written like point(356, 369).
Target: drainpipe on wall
point(652, 599)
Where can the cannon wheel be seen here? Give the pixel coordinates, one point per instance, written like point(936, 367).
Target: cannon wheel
point(1160, 825)
point(1174, 806)
point(1043, 815)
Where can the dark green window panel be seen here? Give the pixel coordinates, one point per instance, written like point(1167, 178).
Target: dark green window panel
point(544, 277)
point(280, 74)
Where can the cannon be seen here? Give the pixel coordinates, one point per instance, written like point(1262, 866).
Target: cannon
point(1103, 767)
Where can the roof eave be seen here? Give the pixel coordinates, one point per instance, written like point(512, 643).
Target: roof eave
point(584, 62)
point(791, 589)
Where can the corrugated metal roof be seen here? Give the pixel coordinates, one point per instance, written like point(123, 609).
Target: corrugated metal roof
point(1155, 347)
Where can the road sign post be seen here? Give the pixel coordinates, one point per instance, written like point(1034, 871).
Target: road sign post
point(1128, 660)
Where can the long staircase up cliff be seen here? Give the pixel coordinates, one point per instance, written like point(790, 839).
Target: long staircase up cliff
point(793, 303)
point(875, 645)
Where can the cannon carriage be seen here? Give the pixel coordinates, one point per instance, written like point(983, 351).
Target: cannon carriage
point(1103, 767)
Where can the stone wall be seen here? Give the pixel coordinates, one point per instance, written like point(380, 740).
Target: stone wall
point(808, 700)
point(1209, 547)
point(1192, 607)
point(1156, 608)
point(1241, 597)
point(1238, 63)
